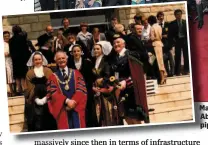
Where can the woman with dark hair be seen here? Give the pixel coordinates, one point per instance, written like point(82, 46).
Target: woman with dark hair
point(36, 108)
point(96, 37)
point(156, 37)
point(77, 61)
point(8, 63)
point(20, 54)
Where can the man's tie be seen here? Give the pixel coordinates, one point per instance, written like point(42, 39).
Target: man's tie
point(64, 74)
point(161, 24)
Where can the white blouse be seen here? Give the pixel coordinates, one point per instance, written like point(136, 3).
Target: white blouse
point(78, 63)
point(39, 71)
point(98, 60)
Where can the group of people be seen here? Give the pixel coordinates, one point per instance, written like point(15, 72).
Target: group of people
point(78, 4)
point(93, 79)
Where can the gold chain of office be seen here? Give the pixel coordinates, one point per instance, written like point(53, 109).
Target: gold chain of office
point(66, 83)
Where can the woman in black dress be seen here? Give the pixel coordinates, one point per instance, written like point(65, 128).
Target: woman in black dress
point(77, 61)
point(20, 54)
point(36, 107)
point(105, 99)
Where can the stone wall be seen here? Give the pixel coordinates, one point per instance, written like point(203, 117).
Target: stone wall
point(126, 15)
point(34, 24)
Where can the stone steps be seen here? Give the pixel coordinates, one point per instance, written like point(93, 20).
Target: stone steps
point(177, 80)
point(172, 114)
point(172, 101)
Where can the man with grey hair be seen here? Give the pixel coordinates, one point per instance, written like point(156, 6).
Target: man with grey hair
point(67, 94)
point(127, 68)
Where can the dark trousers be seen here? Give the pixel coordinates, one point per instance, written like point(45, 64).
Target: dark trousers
point(47, 5)
point(115, 2)
point(67, 4)
point(200, 14)
point(169, 63)
point(181, 45)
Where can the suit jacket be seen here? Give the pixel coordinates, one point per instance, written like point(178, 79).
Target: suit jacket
point(109, 35)
point(173, 31)
point(165, 30)
point(135, 44)
point(65, 31)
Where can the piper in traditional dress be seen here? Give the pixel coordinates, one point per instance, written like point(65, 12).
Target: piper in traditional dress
point(67, 94)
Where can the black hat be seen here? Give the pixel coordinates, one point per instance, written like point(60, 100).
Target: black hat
point(43, 39)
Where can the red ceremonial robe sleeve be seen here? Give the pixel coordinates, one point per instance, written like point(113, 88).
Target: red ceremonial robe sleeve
point(80, 96)
point(55, 97)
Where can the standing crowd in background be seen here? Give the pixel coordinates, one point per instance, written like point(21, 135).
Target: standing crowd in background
point(43, 5)
point(89, 79)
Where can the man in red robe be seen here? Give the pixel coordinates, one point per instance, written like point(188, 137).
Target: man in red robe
point(67, 95)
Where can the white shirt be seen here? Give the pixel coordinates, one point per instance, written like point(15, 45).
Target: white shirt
point(122, 53)
point(78, 63)
point(70, 48)
point(44, 48)
point(98, 60)
point(66, 70)
point(146, 33)
point(163, 24)
point(39, 71)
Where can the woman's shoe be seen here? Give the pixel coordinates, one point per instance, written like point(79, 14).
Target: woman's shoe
point(163, 81)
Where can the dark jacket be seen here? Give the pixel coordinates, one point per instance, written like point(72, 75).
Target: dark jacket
point(173, 31)
point(135, 44)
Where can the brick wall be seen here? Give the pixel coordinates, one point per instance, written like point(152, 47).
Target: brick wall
point(126, 15)
point(34, 24)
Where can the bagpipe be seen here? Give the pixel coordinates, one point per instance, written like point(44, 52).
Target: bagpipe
point(111, 89)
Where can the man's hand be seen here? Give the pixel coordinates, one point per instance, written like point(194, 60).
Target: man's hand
point(71, 104)
point(122, 85)
point(165, 36)
point(6, 54)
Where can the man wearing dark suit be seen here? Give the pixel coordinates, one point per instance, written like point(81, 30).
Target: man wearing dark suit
point(177, 36)
point(66, 30)
point(135, 44)
point(168, 56)
point(111, 32)
point(48, 32)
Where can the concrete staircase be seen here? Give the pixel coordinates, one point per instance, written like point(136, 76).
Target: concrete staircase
point(172, 103)
point(16, 113)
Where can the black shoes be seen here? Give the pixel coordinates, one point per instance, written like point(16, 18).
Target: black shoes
point(200, 25)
